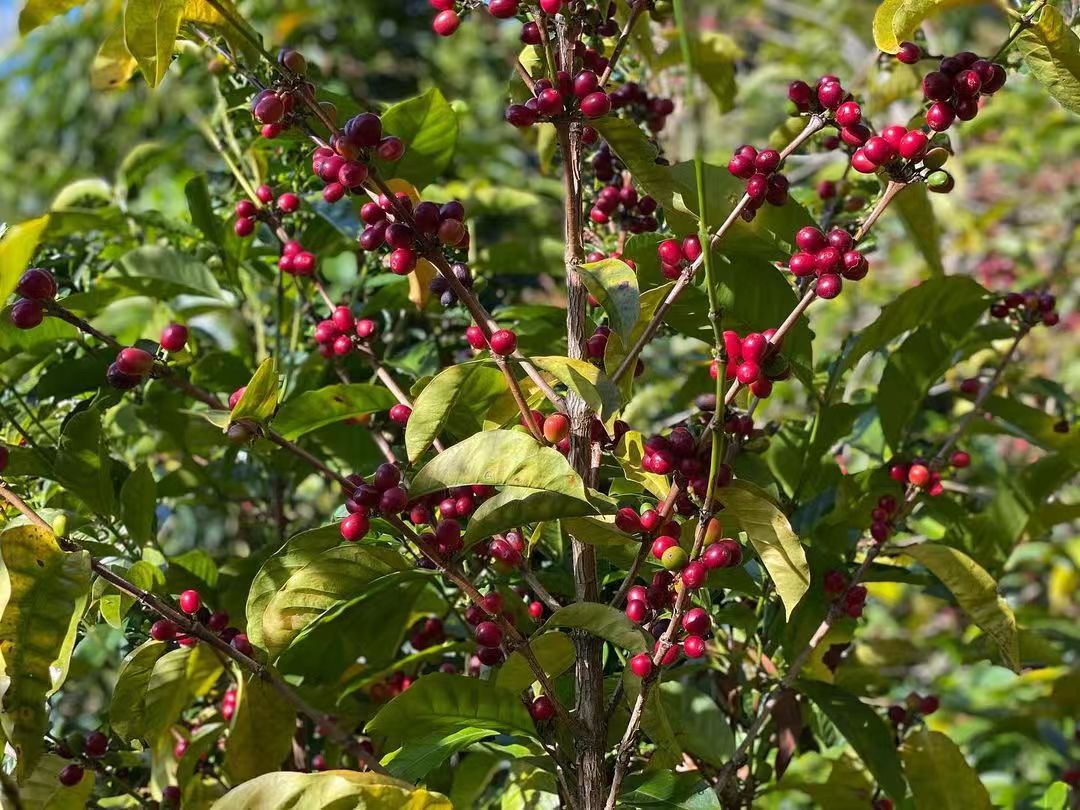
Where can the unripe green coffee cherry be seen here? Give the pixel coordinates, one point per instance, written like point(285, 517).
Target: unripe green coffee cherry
point(935, 158)
point(674, 559)
point(940, 182)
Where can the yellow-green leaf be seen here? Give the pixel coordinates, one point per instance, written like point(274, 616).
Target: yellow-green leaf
point(17, 247)
point(261, 733)
point(43, 790)
point(602, 621)
point(554, 651)
point(750, 510)
point(614, 285)
point(39, 12)
point(976, 592)
point(629, 452)
point(150, 31)
point(897, 20)
point(43, 591)
point(345, 790)
point(260, 395)
point(1051, 51)
point(940, 777)
point(585, 379)
point(324, 406)
point(456, 399)
point(113, 65)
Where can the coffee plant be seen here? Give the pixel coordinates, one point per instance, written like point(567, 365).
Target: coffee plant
point(345, 472)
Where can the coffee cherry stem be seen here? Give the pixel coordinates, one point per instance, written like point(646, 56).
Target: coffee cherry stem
point(636, 8)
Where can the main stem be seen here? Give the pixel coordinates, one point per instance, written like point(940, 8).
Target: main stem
point(589, 672)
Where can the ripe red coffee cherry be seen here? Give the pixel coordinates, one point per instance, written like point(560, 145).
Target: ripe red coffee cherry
point(585, 84)
point(354, 527)
point(691, 248)
point(894, 134)
point(503, 342)
point(134, 361)
point(549, 102)
point(268, 108)
point(960, 459)
point(855, 135)
point(696, 621)
point(190, 601)
point(757, 187)
point(342, 319)
point(878, 150)
point(400, 414)
point(37, 284)
point(475, 336)
point(503, 9)
point(637, 611)
point(264, 193)
point(402, 261)
point(542, 709)
point(366, 328)
point(96, 745)
point(767, 160)
point(288, 203)
point(810, 239)
point(26, 314)
point(830, 95)
point(694, 575)
point(488, 634)
point(662, 544)
point(913, 145)
point(596, 105)
point(218, 621)
point(693, 646)
point(519, 115)
point(918, 475)
point(747, 372)
point(670, 251)
point(641, 665)
point(70, 775)
point(909, 53)
point(855, 266)
point(445, 23)
point(304, 263)
point(536, 609)
point(967, 84)
point(174, 337)
point(861, 163)
point(556, 428)
point(627, 520)
point(940, 116)
point(163, 630)
point(741, 166)
point(937, 86)
point(829, 286)
point(801, 264)
point(551, 6)
point(848, 114)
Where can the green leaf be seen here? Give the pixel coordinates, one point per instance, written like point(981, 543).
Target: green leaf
point(629, 452)
point(614, 285)
point(554, 651)
point(456, 400)
point(864, 729)
point(138, 499)
point(261, 733)
point(38, 12)
point(665, 790)
point(314, 409)
point(585, 379)
point(940, 777)
point(639, 154)
point(429, 127)
point(417, 758)
point(698, 722)
point(913, 206)
point(154, 685)
point(83, 464)
point(837, 781)
point(1056, 797)
point(313, 572)
point(201, 209)
point(162, 273)
point(150, 31)
point(1051, 50)
point(1032, 424)
point(602, 621)
point(772, 537)
point(113, 66)
point(712, 57)
point(975, 592)
point(513, 507)
point(260, 397)
point(933, 300)
point(43, 592)
point(43, 791)
point(450, 702)
point(897, 20)
point(287, 790)
point(17, 247)
point(501, 458)
point(114, 604)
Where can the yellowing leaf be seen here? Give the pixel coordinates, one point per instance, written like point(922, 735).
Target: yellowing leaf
point(342, 789)
point(419, 279)
point(940, 777)
point(39, 12)
point(1051, 51)
point(260, 395)
point(113, 66)
point(17, 247)
point(897, 20)
point(976, 592)
point(150, 31)
point(261, 733)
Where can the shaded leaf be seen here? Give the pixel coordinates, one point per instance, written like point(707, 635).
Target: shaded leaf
point(456, 400)
point(43, 791)
point(138, 499)
point(429, 128)
point(161, 273)
point(940, 777)
point(668, 790)
point(614, 285)
point(339, 789)
point(554, 651)
point(913, 206)
point(314, 409)
point(261, 733)
point(513, 507)
point(602, 621)
point(698, 722)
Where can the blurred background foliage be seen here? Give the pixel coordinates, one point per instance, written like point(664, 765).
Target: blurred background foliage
point(1012, 221)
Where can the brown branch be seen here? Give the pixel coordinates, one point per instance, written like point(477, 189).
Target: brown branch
point(637, 6)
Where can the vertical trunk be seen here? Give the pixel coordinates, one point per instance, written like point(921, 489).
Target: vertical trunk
point(589, 674)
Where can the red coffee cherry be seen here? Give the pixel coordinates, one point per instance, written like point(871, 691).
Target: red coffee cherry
point(134, 361)
point(190, 601)
point(848, 114)
point(488, 634)
point(542, 709)
point(96, 745)
point(596, 105)
point(70, 775)
point(641, 665)
point(503, 342)
point(400, 414)
point(909, 53)
point(445, 23)
point(163, 630)
point(26, 314)
point(940, 116)
point(918, 475)
point(37, 284)
point(174, 337)
point(354, 527)
point(556, 428)
point(693, 646)
point(960, 459)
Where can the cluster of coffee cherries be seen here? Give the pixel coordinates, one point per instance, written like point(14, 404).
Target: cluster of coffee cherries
point(554, 99)
point(36, 286)
point(337, 335)
point(427, 632)
point(248, 212)
point(882, 518)
point(636, 100)
point(445, 223)
point(676, 256)
point(133, 365)
point(836, 586)
point(678, 454)
point(827, 95)
point(344, 165)
point(273, 107)
point(383, 494)
point(1027, 307)
point(440, 516)
point(752, 360)
point(765, 183)
point(395, 683)
point(440, 285)
point(954, 89)
point(831, 257)
point(875, 151)
point(191, 603)
point(623, 205)
point(503, 342)
point(489, 636)
point(915, 706)
point(918, 473)
point(94, 746)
